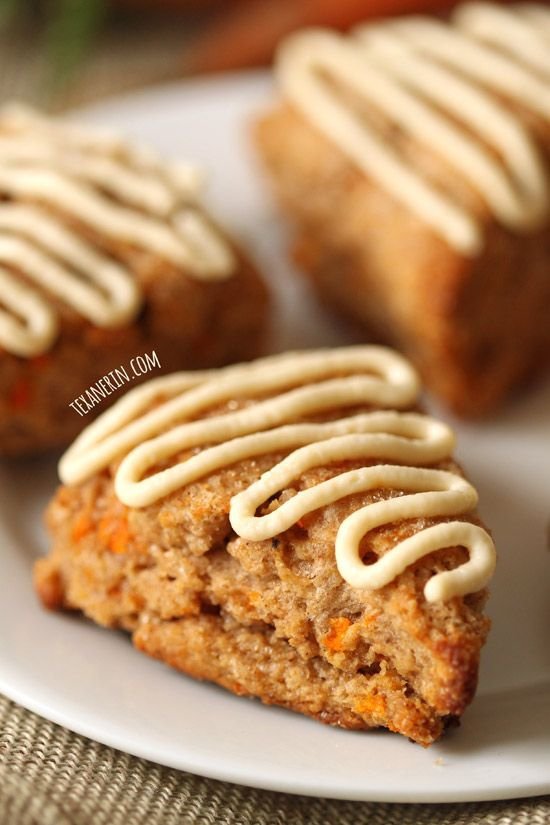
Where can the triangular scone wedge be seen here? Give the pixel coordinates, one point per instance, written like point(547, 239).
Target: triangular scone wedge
point(411, 206)
point(259, 595)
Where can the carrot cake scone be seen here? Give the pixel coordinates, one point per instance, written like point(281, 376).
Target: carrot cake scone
point(105, 254)
point(292, 529)
point(412, 156)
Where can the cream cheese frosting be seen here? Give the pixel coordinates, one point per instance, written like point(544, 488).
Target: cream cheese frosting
point(51, 171)
point(158, 421)
point(443, 85)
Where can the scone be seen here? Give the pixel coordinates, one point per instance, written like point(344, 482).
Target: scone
point(106, 255)
point(412, 158)
point(292, 529)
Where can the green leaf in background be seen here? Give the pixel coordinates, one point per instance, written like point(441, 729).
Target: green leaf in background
point(8, 10)
point(70, 30)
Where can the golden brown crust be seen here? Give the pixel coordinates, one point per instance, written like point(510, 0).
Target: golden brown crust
point(189, 323)
point(274, 618)
point(254, 662)
point(476, 329)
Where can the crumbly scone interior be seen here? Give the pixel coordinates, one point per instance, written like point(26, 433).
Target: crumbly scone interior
point(271, 618)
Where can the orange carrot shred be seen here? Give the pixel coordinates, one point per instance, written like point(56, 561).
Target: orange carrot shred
point(83, 524)
point(372, 704)
point(40, 362)
point(120, 538)
point(20, 396)
point(334, 639)
point(113, 531)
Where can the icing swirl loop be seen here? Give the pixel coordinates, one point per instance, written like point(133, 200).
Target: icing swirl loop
point(155, 424)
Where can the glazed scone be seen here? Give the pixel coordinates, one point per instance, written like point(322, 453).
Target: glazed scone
point(105, 254)
point(412, 158)
point(292, 529)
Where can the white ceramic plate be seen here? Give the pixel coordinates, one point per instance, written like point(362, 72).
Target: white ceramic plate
point(93, 682)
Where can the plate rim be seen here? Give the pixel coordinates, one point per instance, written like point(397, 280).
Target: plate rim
point(238, 777)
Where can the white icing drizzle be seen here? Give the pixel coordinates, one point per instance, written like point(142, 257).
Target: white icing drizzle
point(141, 438)
point(511, 30)
point(537, 14)
point(123, 193)
point(182, 176)
point(486, 67)
point(431, 81)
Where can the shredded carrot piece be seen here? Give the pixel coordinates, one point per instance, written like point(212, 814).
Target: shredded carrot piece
point(20, 396)
point(372, 704)
point(40, 362)
point(334, 640)
point(120, 538)
point(83, 524)
point(305, 521)
point(113, 530)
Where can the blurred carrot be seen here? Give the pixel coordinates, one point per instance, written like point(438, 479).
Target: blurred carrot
point(19, 397)
point(41, 362)
point(166, 5)
point(82, 525)
point(113, 531)
point(247, 33)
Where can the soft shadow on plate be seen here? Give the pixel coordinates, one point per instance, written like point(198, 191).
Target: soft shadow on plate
point(31, 484)
point(513, 719)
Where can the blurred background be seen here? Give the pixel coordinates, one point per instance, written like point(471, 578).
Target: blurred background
point(59, 53)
